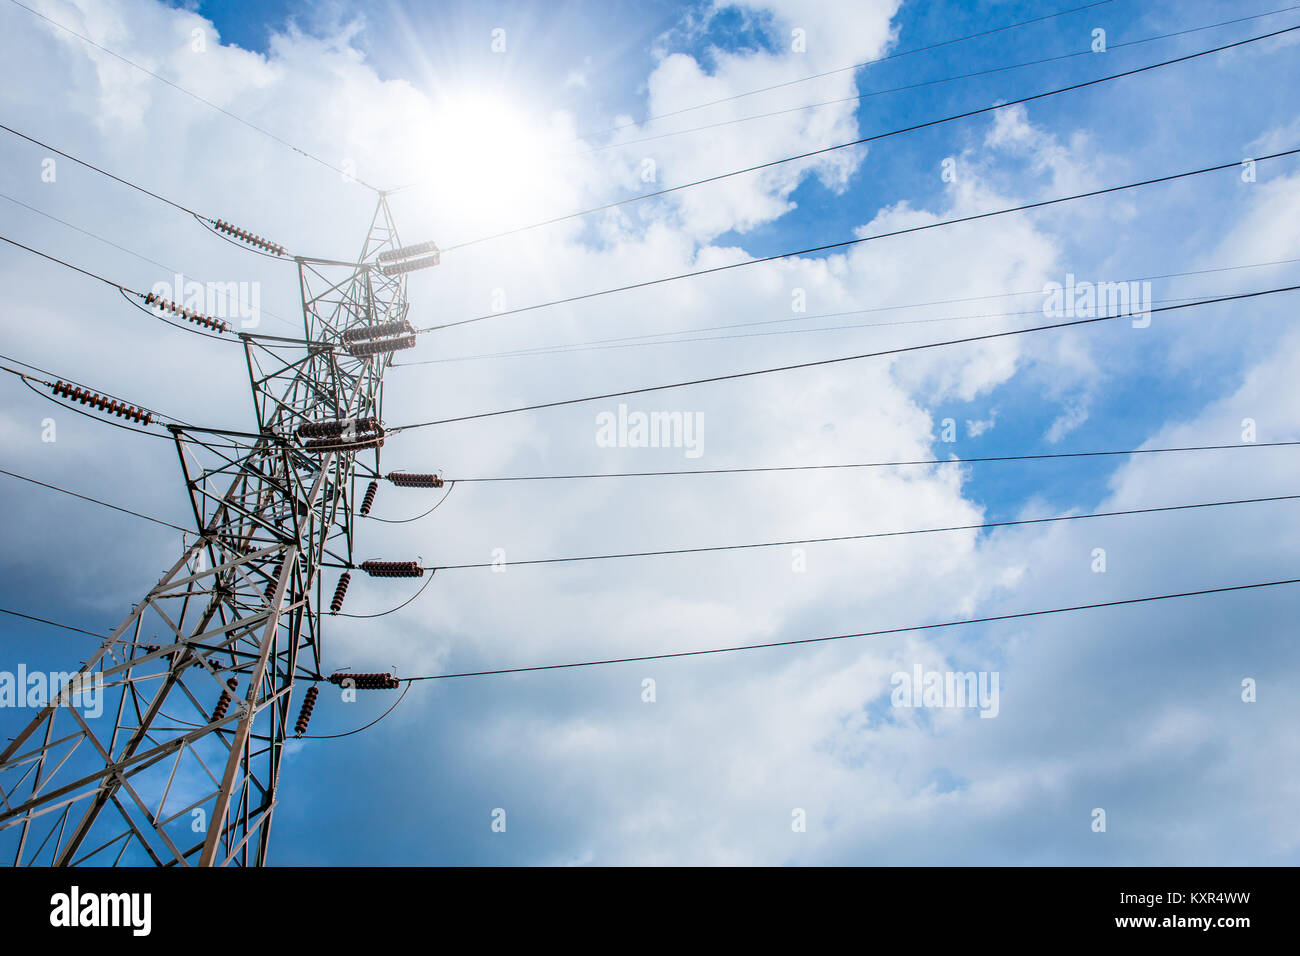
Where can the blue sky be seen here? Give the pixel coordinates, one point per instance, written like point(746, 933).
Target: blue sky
point(1136, 710)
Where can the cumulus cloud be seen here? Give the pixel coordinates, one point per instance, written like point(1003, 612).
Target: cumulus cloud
point(1096, 711)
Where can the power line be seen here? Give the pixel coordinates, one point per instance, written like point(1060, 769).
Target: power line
point(63, 378)
point(843, 358)
point(990, 619)
point(100, 170)
point(41, 620)
point(129, 252)
point(846, 243)
point(935, 82)
point(96, 501)
point(873, 138)
point(220, 228)
point(127, 291)
point(875, 534)
point(195, 96)
point(661, 338)
point(854, 66)
point(875, 464)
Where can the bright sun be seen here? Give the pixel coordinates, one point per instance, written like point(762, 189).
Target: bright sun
point(487, 153)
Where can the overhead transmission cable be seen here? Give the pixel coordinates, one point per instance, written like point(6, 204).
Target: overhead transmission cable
point(983, 526)
point(661, 338)
point(219, 227)
point(861, 97)
point(129, 252)
point(882, 632)
point(900, 54)
point(97, 501)
point(804, 79)
point(834, 466)
point(149, 299)
point(1002, 105)
point(190, 93)
point(988, 336)
point(860, 240)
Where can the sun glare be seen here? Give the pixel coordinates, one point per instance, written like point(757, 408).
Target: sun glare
point(488, 154)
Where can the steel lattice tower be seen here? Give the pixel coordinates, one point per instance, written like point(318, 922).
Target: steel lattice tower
point(198, 680)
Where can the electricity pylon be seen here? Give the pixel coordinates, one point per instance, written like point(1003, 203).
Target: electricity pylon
point(196, 684)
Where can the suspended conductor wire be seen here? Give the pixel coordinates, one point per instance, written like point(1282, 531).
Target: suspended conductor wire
point(872, 138)
point(875, 534)
point(117, 246)
point(96, 501)
point(990, 619)
point(631, 341)
point(391, 610)
point(859, 97)
point(359, 729)
point(853, 66)
point(41, 620)
point(847, 243)
point(880, 464)
point(126, 291)
point(843, 358)
point(445, 495)
point(192, 95)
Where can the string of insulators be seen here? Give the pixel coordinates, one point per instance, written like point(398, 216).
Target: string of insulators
point(304, 714)
point(198, 318)
point(401, 268)
point(369, 499)
point(405, 252)
point(222, 226)
point(95, 400)
point(413, 480)
point(382, 330)
point(366, 681)
point(349, 434)
point(393, 569)
point(340, 592)
point(336, 444)
point(223, 702)
point(380, 346)
point(334, 428)
point(275, 578)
